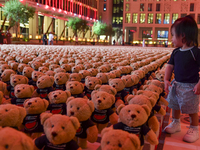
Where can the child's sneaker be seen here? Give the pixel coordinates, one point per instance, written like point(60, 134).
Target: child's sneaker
point(191, 136)
point(173, 127)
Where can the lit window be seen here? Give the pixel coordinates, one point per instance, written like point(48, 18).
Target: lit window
point(117, 9)
point(166, 18)
point(127, 7)
point(114, 9)
point(142, 7)
point(142, 18)
point(118, 1)
point(113, 19)
point(104, 7)
point(149, 7)
point(135, 18)
point(114, 1)
point(174, 17)
point(150, 18)
point(158, 18)
point(117, 20)
point(128, 17)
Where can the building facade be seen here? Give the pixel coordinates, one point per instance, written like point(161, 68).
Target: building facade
point(150, 20)
point(52, 16)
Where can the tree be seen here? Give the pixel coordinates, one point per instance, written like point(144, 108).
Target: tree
point(17, 13)
point(99, 28)
point(109, 31)
point(78, 25)
point(118, 32)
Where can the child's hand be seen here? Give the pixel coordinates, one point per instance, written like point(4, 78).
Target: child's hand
point(167, 84)
point(197, 89)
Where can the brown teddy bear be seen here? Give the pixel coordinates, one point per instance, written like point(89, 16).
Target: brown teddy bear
point(43, 69)
point(75, 77)
point(103, 113)
point(15, 80)
point(76, 89)
point(35, 65)
point(57, 100)
point(45, 86)
point(59, 132)
point(106, 88)
point(90, 83)
point(20, 68)
point(17, 140)
point(27, 71)
point(67, 68)
point(82, 109)
point(11, 115)
point(103, 77)
point(119, 139)
point(31, 123)
point(133, 118)
point(22, 92)
point(5, 76)
point(60, 80)
point(50, 73)
point(35, 75)
point(93, 71)
point(84, 73)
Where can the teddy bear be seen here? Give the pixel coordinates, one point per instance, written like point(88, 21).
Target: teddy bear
point(76, 89)
point(16, 79)
point(43, 69)
point(45, 86)
point(152, 120)
point(106, 88)
point(67, 68)
point(20, 68)
point(76, 69)
point(31, 124)
point(90, 83)
point(119, 85)
point(3, 67)
point(50, 73)
point(27, 71)
point(93, 72)
point(84, 73)
point(131, 83)
point(75, 77)
point(5, 76)
point(14, 66)
point(35, 75)
point(35, 65)
point(17, 140)
point(11, 115)
point(103, 77)
point(57, 100)
point(82, 109)
point(103, 112)
point(119, 139)
point(132, 119)
point(161, 100)
point(59, 132)
point(59, 69)
point(160, 74)
point(60, 80)
point(22, 92)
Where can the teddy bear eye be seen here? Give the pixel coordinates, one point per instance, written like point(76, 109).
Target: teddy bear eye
point(129, 111)
point(36, 101)
point(52, 125)
point(6, 110)
point(108, 142)
point(63, 128)
point(23, 88)
point(59, 93)
point(75, 84)
point(6, 146)
point(120, 145)
point(104, 98)
point(19, 79)
point(138, 111)
point(97, 96)
point(71, 106)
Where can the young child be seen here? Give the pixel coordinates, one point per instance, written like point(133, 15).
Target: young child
point(184, 91)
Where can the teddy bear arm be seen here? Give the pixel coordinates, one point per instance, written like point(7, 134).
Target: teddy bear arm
point(113, 118)
point(118, 102)
point(153, 123)
point(35, 94)
point(163, 101)
point(151, 138)
point(92, 134)
point(162, 111)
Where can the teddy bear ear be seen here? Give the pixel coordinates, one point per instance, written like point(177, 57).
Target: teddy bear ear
point(80, 75)
point(93, 92)
point(152, 100)
point(68, 93)
point(112, 98)
point(87, 77)
point(26, 79)
point(44, 116)
point(46, 103)
point(32, 88)
point(148, 82)
point(100, 82)
point(136, 141)
point(110, 80)
point(105, 130)
point(139, 92)
point(107, 76)
point(145, 86)
point(52, 79)
point(119, 108)
point(75, 122)
point(156, 72)
point(130, 97)
point(91, 105)
point(69, 99)
point(82, 86)
point(22, 113)
point(97, 86)
point(146, 108)
point(113, 90)
point(67, 75)
point(124, 81)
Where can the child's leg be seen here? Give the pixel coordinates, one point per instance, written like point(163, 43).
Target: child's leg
point(192, 134)
point(175, 125)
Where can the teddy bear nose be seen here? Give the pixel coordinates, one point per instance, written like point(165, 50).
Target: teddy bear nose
point(35, 76)
point(18, 91)
point(55, 96)
point(113, 86)
point(72, 113)
point(29, 103)
point(57, 79)
point(14, 81)
point(38, 82)
point(54, 134)
point(90, 83)
point(133, 116)
point(71, 87)
point(99, 101)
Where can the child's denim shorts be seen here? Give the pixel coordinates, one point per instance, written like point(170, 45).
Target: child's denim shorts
point(181, 97)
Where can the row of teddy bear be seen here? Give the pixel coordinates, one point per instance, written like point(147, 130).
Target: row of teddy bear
point(99, 109)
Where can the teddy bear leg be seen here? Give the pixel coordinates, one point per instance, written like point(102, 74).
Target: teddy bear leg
point(92, 134)
point(153, 123)
point(82, 143)
point(151, 138)
point(36, 135)
point(101, 127)
point(163, 101)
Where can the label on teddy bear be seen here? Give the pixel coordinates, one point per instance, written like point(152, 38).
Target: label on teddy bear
point(60, 87)
point(101, 116)
point(58, 108)
point(79, 131)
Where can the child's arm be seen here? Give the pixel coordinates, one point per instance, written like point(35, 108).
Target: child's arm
point(197, 88)
point(168, 73)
